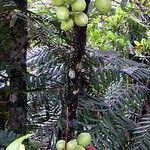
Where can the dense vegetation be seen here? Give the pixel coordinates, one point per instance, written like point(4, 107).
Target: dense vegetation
point(94, 78)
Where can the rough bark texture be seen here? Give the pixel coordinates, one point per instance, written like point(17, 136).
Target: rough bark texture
point(17, 60)
point(4, 107)
point(74, 78)
point(4, 48)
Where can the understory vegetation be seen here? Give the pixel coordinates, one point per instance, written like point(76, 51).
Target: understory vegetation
point(57, 83)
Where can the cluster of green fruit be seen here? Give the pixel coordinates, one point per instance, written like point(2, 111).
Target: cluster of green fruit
point(81, 143)
point(68, 18)
point(76, 16)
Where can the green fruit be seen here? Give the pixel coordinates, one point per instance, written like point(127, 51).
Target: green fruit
point(60, 145)
point(58, 2)
point(62, 13)
point(79, 147)
point(71, 145)
point(67, 24)
point(78, 5)
point(69, 1)
point(84, 139)
point(103, 6)
point(81, 19)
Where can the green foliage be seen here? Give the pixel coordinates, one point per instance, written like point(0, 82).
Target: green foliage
point(17, 143)
point(115, 31)
point(141, 134)
point(113, 89)
point(6, 137)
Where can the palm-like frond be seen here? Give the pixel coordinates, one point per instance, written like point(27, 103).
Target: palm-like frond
point(6, 137)
point(108, 102)
point(141, 134)
point(108, 109)
point(135, 70)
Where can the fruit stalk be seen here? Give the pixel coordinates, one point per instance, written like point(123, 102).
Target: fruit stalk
point(67, 127)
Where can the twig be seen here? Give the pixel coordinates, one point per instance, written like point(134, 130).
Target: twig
point(67, 127)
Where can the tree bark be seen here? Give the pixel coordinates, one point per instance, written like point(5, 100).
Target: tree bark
point(73, 80)
point(17, 59)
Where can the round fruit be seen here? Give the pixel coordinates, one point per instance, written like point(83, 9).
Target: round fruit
point(67, 24)
point(69, 1)
point(81, 19)
point(58, 2)
point(84, 139)
point(71, 145)
point(60, 145)
point(78, 5)
point(103, 6)
point(90, 148)
point(62, 13)
point(79, 147)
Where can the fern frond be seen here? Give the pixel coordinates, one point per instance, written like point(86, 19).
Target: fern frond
point(138, 71)
point(6, 137)
point(141, 134)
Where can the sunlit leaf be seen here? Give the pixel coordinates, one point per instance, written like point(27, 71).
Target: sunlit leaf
point(17, 144)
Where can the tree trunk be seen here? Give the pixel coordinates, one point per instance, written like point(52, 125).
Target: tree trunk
point(73, 80)
point(4, 50)
point(4, 108)
point(17, 59)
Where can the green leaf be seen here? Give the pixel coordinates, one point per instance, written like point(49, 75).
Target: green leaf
point(21, 147)
point(148, 34)
point(137, 43)
point(110, 34)
point(119, 11)
point(121, 41)
point(17, 144)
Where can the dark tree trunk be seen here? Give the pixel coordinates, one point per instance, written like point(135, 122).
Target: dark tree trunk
point(73, 79)
point(4, 48)
point(17, 59)
point(4, 107)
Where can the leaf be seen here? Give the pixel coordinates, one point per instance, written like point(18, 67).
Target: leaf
point(148, 34)
point(137, 43)
point(7, 137)
point(22, 147)
point(121, 41)
point(141, 134)
point(17, 144)
point(110, 34)
point(119, 11)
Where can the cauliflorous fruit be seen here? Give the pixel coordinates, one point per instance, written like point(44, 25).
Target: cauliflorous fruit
point(67, 24)
point(78, 5)
point(81, 19)
point(60, 145)
point(62, 13)
point(58, 2)
point(69, 1)
point(90, 148)
point(103, 6)
point(71, 145)
point(84, 139)
point(79, 147)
